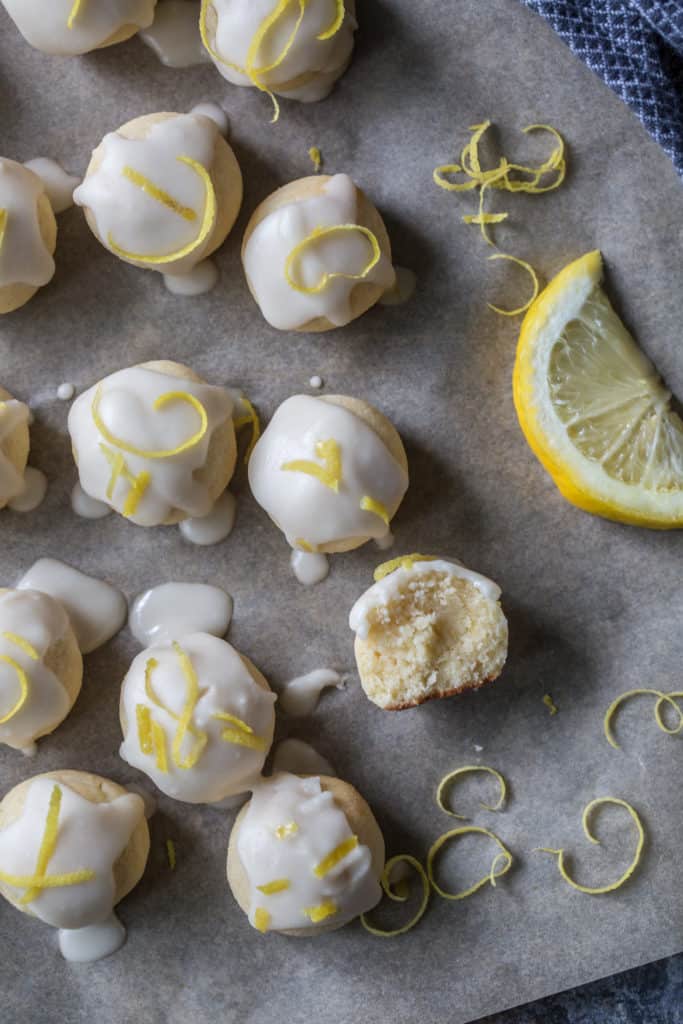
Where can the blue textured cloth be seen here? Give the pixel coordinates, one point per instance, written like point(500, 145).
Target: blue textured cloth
point(636, 46)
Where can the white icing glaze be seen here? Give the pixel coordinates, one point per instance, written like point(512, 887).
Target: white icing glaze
point(41, 622)
point(300, 758)
point(94, 942)
point(347, 252)
point(384, 543)
point(32, 493)
point(351, 884)
point(388, 589)
point(300, 696)
point(85, 506)
point(90, 837)
point(214, 110)
point(311, 65)
point(126, 408)
point(13, 415)
point(174, 35)
point(66, 391)
point(302, 506)
point(128, 214)
point(224, 766)
point(59, 185)
point(97, 610)
point(45, 23)
point(213, 528)
point(171, 610)
point(24, 257)
point(198, 281)
point(309, 567)
point(403, 290)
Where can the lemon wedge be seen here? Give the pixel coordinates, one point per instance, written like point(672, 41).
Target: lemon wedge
point(593, 407)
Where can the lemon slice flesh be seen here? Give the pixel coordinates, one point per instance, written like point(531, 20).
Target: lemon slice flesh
point(593, 407)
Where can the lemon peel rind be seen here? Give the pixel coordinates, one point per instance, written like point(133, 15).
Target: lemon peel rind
point(251, 417)
point(323, 232)
point(489, 878)
point(24, 688)
point(448, 779)
point(662, 698)
point(171, 854)
point(534, 277)
point(402, 562)
point(159, 403)
point(385, 882)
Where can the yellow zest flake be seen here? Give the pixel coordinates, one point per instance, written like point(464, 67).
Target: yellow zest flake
point(207, 225)
point(261, 919)
point(119, 468)
point(171, 854)
point(186, 212)
point(662, 698)
point(73, 14)
point(159, 403)
point(448, 779)
point(24, 687)
point(185, 720)
point(550, 704)
point(278, 885)
point(286, 831)
point(3, 228)
point(505, 856)
point(369, 504)
point(534, 277)
point(243, 739)
point(329, 473)
point(47, 849)
point(316, 158)
point(225, 716)
point(404, 562)
point(399, 895)
point(337, 855)
point(19, 641)
point(143, 718)
point(314, 237)
point(322, 911)
point(159, 745)
point(585, 821)
point(250, 417)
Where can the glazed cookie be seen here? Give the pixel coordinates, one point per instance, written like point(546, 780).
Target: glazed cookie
point(428, 628)
point(71, 27)
point(41, 668)
point(316, 254)
point(155, 442)
point(28, 235)
point(197, 718)
point(72, 845)
point(296, 50)
point(330, 472)
point(14, 446)
point(305, 855)
point(162, 192)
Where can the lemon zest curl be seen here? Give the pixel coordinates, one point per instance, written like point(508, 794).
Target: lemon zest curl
point(451, 776)
point(504, 855)
point(662, 699)
point(400, 896)
point(324, 232)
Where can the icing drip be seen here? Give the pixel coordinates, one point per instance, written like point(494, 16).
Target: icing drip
point(171, 610)
point(24, 257)
point(59, 186)
point(198, 281)
point(317, 871)
point(282, 231)
point(95, 608)
point(196, 722)
point(216, 526)
point(85, 506)
point(94, 942)
point(217, 115)
point(174, 35)
point(384, 543)
point(309, 568)
point(300, 696)
point(403, 289)
point(300, 758)
point(33, 491)
point(13, 416)
point(140, 436)
point(68, 29)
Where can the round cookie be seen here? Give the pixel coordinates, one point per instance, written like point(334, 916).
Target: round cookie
point(28, 235)
point(140, 187)
point(193, 483)
point(14, 446)
point(68, 28)
point(372, 465)
point(285, 220)
point(41, 668)
point(428, 628)
point(321, 831)
point(197, 717)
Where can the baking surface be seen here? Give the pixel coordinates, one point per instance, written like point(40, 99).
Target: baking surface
point(594, 607)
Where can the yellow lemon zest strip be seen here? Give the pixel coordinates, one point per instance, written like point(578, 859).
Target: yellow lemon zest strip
point(668, 698)
point(550, 704)
point(243, 739)
point(251, 417)
point(304, 545)
point(397, 895)
point(159, 744)
point(159, 403)
point(14, 638)
point(448, 779)
point(404, 562)
point(333, 858)
point(585, 821)
point(314, 236)
point(150, 665)
point(225, 716)
point(534, 277)
point(47, 845)
point(336, 24)
point(205, 230)
point(322, 911)
point(119, 468)
point(47, 881)
point(278, 885)
point(204, 33)
point(185, 720)
point(261, 919)
point(369, 504)
point(24, 687)
point(170, 853)
point(75, 11)
point(662, 698)
point(328, 474)
point(492, 875)
point(316, 158)
point(143, 718)
point(3, 228)
point(186, 212)
point(286, 831)
point(262, 31)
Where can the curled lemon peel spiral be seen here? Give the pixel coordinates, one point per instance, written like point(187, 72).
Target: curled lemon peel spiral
point(334, 27)
point(206, 227)
point(399, 896)
point(329, 474)
point(321, 911)
point(74, 12)
point(369, 504)
point(335, 856)
point(534, 277)
point(403, 562)
point(662, 699)
point(504, 855)
point(316, 158)
point(585, 821)
point(159, 194)
point(251, 417)
point(171, 854)
point(3, 226)
point(159, 403)
point(458, 773)
point(22, 642)
point(315, 236)
point(24, 688)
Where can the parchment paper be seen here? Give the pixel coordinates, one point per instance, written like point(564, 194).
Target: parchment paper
point(594, 607)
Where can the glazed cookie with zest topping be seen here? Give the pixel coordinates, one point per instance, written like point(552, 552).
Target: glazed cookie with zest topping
point(197, 718)
point(68, 28)
point(427, 628)
point(14, 446)
point(305, 855)
point(316, 254)
point(154, 442)
point(162, 192)
point(28, 235)
point(72, 845)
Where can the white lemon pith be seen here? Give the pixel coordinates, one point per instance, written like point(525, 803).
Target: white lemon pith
point(593, 407)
